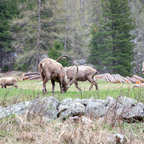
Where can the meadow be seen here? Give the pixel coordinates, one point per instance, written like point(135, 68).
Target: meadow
point(20, 129)
point(30, 89)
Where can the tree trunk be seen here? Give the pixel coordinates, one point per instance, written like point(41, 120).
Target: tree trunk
point(66, 26)
point(38, 37)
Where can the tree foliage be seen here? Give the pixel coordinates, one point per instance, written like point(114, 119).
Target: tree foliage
point(8, 10)
point(111, 47)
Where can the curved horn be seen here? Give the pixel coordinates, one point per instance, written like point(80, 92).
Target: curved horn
point(59, 58)
point(74, 78)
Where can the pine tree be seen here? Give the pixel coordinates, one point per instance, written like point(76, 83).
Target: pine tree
point(115, 47)
point(34, 32)
point(8, 9)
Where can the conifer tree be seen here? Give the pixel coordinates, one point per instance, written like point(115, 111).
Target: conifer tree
point(115, 49)
point(34, 32)
point(8, 9)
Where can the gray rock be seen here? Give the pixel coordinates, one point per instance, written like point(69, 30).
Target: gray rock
point(111, 102)
point(74, 109)
point(77, 108)
point(65, 104)
point(67, 101)
point(95, 109)
point(77, 100)
point(124, 104)
point(63, 107)
point(19, 108)
point(75, 63)
point(44, 107)
point(127, 108)
point(127, 102)
point(79, 62)
point(104, 102)
point(86, 101)
point(134, 112)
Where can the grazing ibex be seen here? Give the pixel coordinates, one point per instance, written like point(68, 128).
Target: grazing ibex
point(8, 81)
point(84, 73)
point(54, 71)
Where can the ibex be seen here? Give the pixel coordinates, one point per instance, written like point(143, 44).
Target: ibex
point(8, 81)
point(84, 73)
point(54, 71)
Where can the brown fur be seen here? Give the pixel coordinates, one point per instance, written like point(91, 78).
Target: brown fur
point(8, 81)
point(85, 73)
point(54, 71)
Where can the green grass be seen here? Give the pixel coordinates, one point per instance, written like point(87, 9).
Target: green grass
point(28, 90)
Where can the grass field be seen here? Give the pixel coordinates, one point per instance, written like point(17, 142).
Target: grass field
point(30, 89)
point(20, 130)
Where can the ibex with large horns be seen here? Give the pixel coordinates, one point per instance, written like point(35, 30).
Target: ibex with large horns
point(84, 73)
point(54, 71)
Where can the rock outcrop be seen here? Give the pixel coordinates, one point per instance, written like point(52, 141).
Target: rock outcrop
point(49, 108)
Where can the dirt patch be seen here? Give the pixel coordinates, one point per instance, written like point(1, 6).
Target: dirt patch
point(16, 74)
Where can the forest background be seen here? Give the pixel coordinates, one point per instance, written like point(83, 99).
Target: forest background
point(106, 33)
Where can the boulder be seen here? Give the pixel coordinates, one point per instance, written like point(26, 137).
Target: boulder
point(128, 109)
point(74, 109)
point(95, 109)
point(44, 107)
point(127, 102)
point(110, 103)
point(66, 101)
point(79, 62)
point(65, 104)
point(86, 101)
point(104, 102)
point(19, 108)
point(123, 104)
point(134, 113)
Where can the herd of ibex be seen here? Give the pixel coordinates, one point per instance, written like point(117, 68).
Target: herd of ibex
point(66, 76)
point(52, 70)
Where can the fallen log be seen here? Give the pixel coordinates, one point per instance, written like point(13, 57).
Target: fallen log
point(34, 77)
point(138, 78)
point(31, 73)
point(116, 78)
point(30, 76)
point(126, 79)
point(111, 78)
point(120, 78)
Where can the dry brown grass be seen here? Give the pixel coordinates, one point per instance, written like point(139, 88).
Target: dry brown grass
point(16, 74)
point(20, 130)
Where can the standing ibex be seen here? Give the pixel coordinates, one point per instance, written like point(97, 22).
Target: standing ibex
point(84, 73)
point(8, 81)
point(54, 71)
